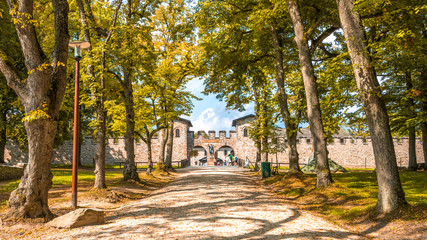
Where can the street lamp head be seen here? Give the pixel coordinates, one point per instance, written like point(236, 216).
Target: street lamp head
point(78, 46)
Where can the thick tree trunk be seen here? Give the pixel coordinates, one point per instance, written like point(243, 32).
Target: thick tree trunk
point(161, 161)
point(3, 138)
point(43, 90)
point(412, 163)
point(130, 171)
point(290, 122)
point(324, 177)
point(150, 158)
point(390, 192)
point(30, 199)
point(169, 148)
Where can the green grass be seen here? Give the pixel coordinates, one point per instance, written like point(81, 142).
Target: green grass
point(352, 195)
point(64, 176)
point(107, 166)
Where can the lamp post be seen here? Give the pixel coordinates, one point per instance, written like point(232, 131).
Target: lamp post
point(78, 46)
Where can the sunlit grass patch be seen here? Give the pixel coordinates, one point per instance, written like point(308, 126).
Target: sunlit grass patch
point(353, 195)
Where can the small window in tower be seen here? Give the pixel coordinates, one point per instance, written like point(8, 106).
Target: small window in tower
point(245, 132)
point(177, 133)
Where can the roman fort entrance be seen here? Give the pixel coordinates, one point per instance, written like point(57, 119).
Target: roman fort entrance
point(221, 147)
point(199, 155)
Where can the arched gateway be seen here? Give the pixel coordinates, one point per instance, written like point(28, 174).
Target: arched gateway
point(238, 144)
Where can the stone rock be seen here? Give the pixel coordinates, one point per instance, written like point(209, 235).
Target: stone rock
point(78, 218)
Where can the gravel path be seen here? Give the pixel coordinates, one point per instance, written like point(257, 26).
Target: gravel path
point(209, 203)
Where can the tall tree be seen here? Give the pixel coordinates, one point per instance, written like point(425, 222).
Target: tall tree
point(132, 66)
point(395, 42)
point(41, 94)
point(235, 36)
point(324, 177)
point(176, 64)
point(390, 192)
point(103, 35)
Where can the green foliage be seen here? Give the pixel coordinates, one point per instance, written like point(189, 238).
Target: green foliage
point(397, 44)
point(11, 109)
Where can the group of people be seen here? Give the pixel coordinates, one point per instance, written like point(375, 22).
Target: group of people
point(230, 161)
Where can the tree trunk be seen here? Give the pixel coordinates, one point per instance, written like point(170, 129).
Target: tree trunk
point(130, 171)
point(30, 199)
point(257, 160)
point(290, 122)
point(101, 115)
point(324, 177)
point(99, 159)
point(3, 137)
point(424, 108)
point(390, 192)
point(44, 91)
point(150, 158)
point(412, 163)
point(161, 161)
point(293, 153)
point(264, 153)
point(169, 148)
point(424, 138)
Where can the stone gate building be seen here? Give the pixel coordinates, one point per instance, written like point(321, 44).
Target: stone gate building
point(345, 150)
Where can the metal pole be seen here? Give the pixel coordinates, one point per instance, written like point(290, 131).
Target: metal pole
point(75, 137)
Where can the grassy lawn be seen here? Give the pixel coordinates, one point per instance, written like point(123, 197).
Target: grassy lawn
point(352, 196)
point(62, 178)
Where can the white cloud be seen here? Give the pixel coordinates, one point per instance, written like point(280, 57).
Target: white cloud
point(216, 119)
point(210, 113)
point(207, 120)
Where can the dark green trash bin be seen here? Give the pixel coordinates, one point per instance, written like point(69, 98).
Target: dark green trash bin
point(265, 169)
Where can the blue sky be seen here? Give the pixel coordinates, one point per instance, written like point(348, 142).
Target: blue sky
point(210, 113)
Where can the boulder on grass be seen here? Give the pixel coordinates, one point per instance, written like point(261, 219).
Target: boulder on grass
point(78, 218)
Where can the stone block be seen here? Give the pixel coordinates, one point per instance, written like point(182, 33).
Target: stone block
point(78, 218)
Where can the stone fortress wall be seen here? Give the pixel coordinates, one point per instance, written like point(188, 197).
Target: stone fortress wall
point(345, 150)
point(115, 151)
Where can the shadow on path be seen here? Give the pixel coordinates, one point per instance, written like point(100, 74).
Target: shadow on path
point(213, 203)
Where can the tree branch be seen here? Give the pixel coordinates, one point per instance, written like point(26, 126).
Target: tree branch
point(322, 37)
point(13, 79)
point(34, 55)
point(59, 55)
point(99, 30)
point(113, 23)
point(142, 137)
point(327, 52)
point(119, 79)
